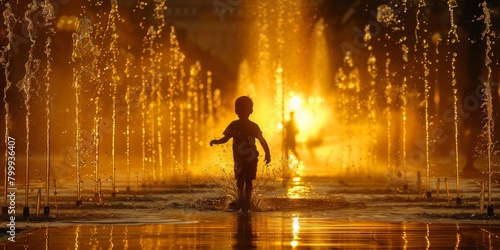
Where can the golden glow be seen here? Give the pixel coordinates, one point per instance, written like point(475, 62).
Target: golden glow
point(295, 231)
point(77, 237)
point(266, 232)
point(67, 23)
point(427, 236)
point(457, 246)
point(295, 103)
point(298, 189)
point(405, 237)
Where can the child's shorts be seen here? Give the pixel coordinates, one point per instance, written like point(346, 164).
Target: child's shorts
point(245, 170)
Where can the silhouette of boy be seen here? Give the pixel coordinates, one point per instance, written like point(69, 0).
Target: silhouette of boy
point(244, 132)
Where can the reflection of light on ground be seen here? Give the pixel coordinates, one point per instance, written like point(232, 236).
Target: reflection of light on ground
point(217, 231)
point(77, 236)
point(405, 239)
point(427, 236)
point(295, 231)
point(298, 189)
point(297, 192)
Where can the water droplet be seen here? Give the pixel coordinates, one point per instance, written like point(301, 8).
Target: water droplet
point(452, 4)
point(385, 15)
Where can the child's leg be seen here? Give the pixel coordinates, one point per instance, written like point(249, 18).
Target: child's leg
point(240, 184)
point(248, 192)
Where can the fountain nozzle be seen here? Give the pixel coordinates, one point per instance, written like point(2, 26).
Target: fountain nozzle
point(490, 211)
point(26, 211)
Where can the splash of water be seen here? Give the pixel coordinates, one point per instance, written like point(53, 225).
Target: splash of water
point(386, 15)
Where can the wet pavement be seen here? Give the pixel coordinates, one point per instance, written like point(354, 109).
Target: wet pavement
point(233, 230)
point(306, 213)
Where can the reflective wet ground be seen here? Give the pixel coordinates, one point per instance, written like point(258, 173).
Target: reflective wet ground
point(306, 213)
point(232, 230)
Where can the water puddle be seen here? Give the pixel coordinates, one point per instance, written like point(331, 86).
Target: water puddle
point(216, 230)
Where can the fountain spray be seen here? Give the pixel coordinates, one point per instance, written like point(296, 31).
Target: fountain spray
point(127, 100)
point(372, 97)
point(453, 32)
point(425, 63)
point(31, 67)
point(404, 104)
point(83, 49)
point(143, 128)
point(148, 53)
point(426, 103)
point(55, 195)
point(154, 105)
point(210, 104)
point(388, 113)
point(488, 34)
point(48, 13)
point(9, 21)
point(175, 60)
point(113, 16)
point(159, 118)
point(182, 112)
point(97, 120)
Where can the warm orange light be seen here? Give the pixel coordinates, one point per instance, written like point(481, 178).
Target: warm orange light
point(295, 231)
point(295, 103)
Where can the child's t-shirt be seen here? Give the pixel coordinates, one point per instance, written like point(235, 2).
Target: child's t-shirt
point(243, 133)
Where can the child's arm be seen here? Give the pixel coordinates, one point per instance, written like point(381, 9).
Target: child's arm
point(263, 142)
point(220, 141)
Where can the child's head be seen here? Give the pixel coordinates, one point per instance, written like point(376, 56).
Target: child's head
point(243, 106)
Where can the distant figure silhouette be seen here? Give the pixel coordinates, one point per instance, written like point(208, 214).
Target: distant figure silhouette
point(244, 132)
point(291, 131)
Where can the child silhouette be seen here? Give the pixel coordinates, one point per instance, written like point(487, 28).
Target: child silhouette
point(245, 154)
